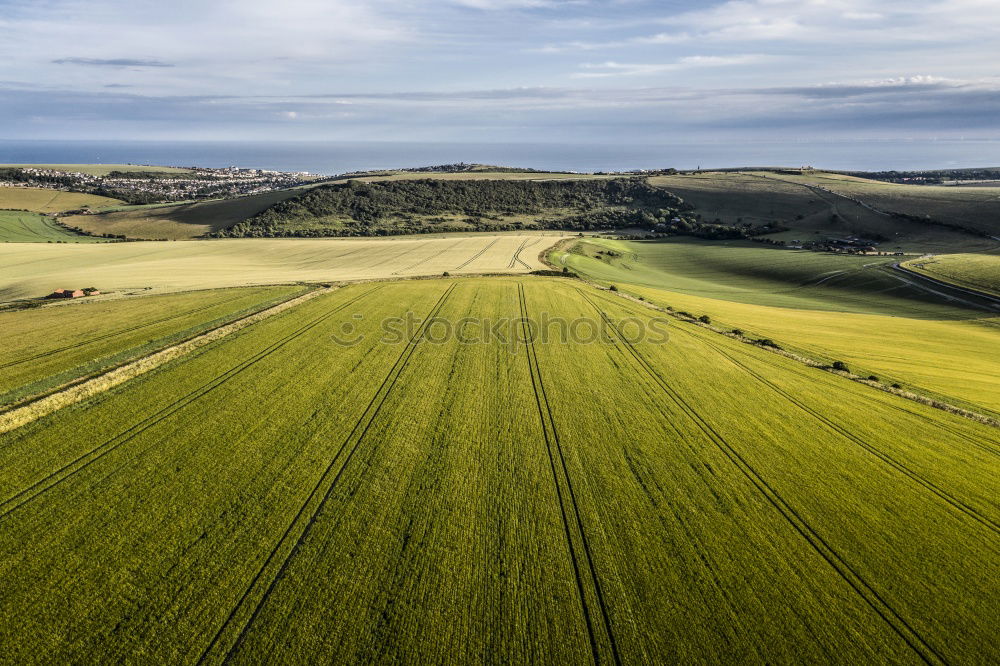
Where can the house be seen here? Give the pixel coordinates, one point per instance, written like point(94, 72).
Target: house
point(66, 293)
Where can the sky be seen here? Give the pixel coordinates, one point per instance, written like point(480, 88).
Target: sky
point(574, 71)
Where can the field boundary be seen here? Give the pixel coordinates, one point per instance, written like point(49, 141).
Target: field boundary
point(361, 428)
point(88, 387)
point(864, 590)
point(548, 423)
point(804, 360)
point(951, 500)
point(992, 299)
point(83, 461)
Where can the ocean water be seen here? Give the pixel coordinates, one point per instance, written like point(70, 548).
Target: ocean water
point(339, 157)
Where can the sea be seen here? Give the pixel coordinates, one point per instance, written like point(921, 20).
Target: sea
point(330, 158)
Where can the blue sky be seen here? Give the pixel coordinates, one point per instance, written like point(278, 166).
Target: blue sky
point(581, 71)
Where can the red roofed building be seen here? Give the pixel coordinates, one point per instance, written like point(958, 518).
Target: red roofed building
point(66, 293)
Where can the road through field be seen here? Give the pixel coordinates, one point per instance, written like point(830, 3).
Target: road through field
point(33, 270)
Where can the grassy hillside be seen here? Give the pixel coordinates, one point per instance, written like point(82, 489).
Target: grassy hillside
point(33, 270)
point(281, 498)
point(974, 271)
point(356, 208)
point(18, 226)
point(973, 208)
point(49, 346)
point(178, 221)
point(811, 213)
point(40, 200)
point(824, 306)
point(747, 272)
point(191, 220)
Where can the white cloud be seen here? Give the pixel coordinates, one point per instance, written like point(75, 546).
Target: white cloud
point(612, 68)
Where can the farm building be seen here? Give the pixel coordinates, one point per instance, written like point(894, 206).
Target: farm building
point(66, 293)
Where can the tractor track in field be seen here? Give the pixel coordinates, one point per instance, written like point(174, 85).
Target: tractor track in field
point(953, 501)
point(871, 597)
point(548, 423)
point(67, 471)
point(516, 258)
point(328, 478)
point(478, 254)
point(426, 259)
point(108, 335)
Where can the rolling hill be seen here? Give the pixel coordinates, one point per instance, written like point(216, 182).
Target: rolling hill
point(40, 200)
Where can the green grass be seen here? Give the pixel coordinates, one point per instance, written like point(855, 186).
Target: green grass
point(276, 497)
point(827, 307)
point(47, 347)
point(747, 272)
point(40, 200)
point(19, 226)
point(980, 272)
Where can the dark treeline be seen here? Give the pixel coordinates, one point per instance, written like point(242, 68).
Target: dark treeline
point(416, 206)
point(929, 177)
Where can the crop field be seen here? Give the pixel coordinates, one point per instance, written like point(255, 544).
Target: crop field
point(47, 347)
point(40, 200)
point(19, 226)
point(946, 351)
point(426, 497)
point(980, 272)
point(28, 271)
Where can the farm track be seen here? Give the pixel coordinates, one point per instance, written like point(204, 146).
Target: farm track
point(878, 453)
point(108, 335)
point(328, 478)
point(548, 425)
point(478, 254)
point(871, 597)
point(80, 463)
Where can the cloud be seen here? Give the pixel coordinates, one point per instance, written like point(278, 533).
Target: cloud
point(112, 62)
point(611, 68)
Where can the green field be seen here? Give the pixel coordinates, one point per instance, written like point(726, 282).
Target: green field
point(40, 200)
point(20, 226)
point(980, 272)
point(828, 307)
point(279, 497)
point(747, 272)
point(47, 347)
